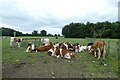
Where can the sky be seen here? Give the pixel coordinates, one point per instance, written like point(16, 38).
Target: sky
point(52, 15)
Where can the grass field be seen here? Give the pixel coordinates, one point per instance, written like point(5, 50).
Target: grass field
point(19, 64)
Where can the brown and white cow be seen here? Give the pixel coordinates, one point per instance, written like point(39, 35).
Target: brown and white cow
point(31, 47)
point(60, 52)
point(42, 48)
point(98, 48)
point(14, 40)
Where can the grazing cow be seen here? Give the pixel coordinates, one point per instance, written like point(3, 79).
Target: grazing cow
point(98, 48)
point(45, 41)
point(15, 40)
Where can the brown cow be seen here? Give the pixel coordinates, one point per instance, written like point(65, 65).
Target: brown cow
point(98, 48)
point(42, 48)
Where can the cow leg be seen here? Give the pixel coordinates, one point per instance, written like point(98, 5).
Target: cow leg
point(58, 56)
point(104, 53)
point(11, 43)
point(61, 53)
point(27, 50)
point(95, 53)
point(99, 53)
point(53, 54)
point(36, 51)
point(67, 56)
point(76, 50)
point(18, 44)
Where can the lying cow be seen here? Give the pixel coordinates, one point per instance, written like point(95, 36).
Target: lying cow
point(79, 48)
point(31, 47)
point(41, 48)
point(14, 40)
point(89, 44)
point(98, 48)
point(83, 48)
point(59, 52)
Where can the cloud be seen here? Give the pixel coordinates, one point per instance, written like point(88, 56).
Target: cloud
point(52, 15)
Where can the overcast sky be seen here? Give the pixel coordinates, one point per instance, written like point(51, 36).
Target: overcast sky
point(52, 15)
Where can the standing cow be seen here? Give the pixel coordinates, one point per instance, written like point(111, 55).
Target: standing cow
point(14, 40)
point(98, 48)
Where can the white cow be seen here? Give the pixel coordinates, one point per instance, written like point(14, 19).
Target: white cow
point(82, 48)
point(88, 48)
point(45, 41)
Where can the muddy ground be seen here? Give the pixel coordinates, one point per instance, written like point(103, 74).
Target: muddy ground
point(46, 66)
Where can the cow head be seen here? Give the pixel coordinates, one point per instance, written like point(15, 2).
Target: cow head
point(50, 52)
point(92, 49)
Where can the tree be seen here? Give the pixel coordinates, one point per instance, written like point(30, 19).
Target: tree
point(43, 33)
point(35, 33)
point(49, 34)
point(100, 30)
point(59, 35)
point(9, 32)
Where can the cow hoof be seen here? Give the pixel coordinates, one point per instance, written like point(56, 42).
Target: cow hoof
point(57, 56)
point(62, 57)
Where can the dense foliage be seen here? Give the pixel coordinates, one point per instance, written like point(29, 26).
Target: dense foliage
point(9, 32)
point(100, 29)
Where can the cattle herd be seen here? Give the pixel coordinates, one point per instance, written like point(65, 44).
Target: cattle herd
point(64, 49)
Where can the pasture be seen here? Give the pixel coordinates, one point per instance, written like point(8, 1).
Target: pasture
point(16, 63)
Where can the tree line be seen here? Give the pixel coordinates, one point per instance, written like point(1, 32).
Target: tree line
point(10, 32)
point(94, 30)
point(76, 30)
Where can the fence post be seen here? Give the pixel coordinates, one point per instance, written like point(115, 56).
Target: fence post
point(39, 41)
point(25, 42)
point(35, 41)
point(118, 49)
point(108, 47)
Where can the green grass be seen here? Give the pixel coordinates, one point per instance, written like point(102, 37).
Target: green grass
point(95, 69)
